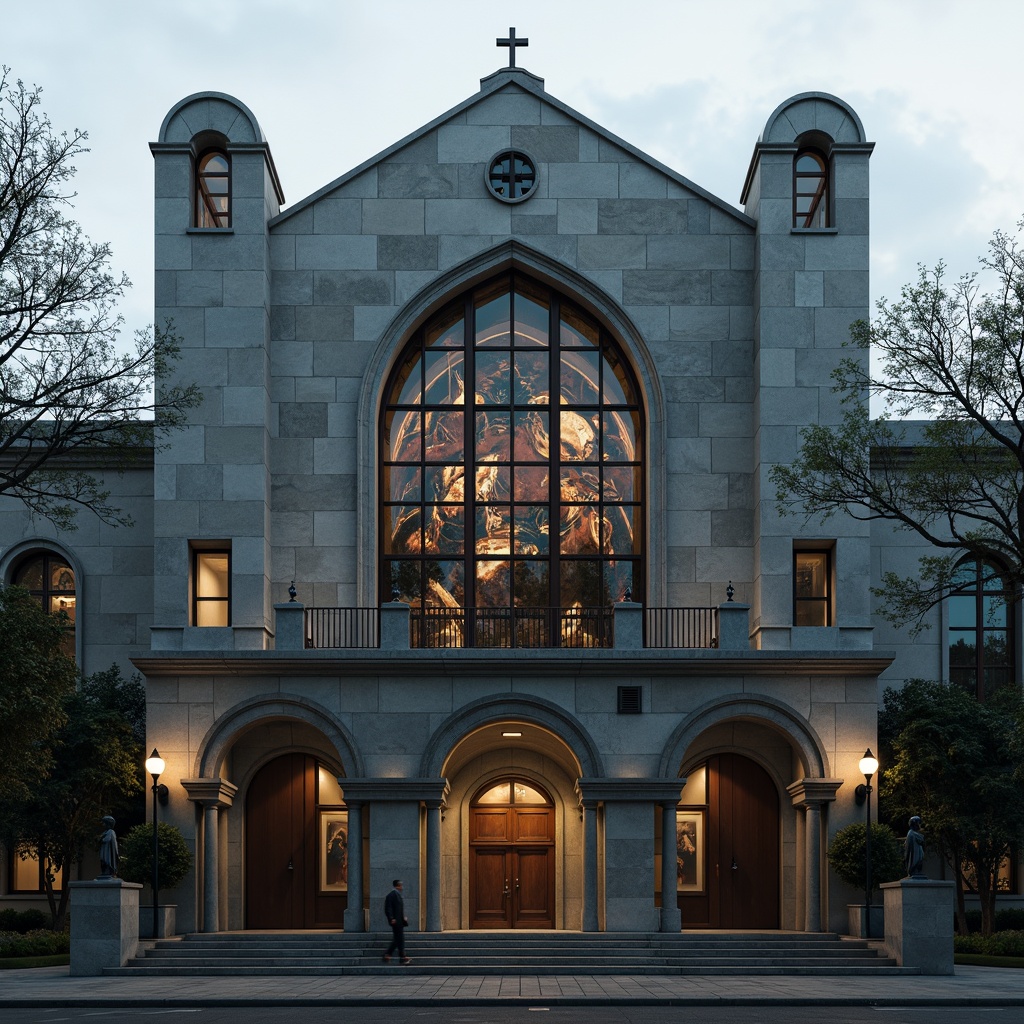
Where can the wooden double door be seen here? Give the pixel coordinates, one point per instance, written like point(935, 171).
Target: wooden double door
point(742, 854)
point(512, 858)
point(282, 854)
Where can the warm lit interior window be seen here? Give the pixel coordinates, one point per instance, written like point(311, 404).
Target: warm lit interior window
point(211, 581)
point(812, 588)
point(213, 191)
point(979, 630)
point(810, 190)
point(52, 581)
point(27, 873)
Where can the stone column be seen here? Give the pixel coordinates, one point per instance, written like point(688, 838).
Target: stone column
point(433, 893)
point(213, 794)
point(590, 915)
point(211, 872)
point(808, 795)
point(355, 919)
point(671, 917)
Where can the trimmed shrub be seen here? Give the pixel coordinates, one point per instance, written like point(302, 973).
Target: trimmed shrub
point(1007, 943)
point(847, 855)
point(136, 855)
point(23, 921)
point(40, 942)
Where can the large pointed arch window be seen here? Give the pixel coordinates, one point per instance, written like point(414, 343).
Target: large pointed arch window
point(512, 473)
point(979, 629)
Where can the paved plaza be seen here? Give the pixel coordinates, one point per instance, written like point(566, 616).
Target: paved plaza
point(969, 986)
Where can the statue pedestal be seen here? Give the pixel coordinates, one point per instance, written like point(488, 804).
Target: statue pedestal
point(104, 924)
point(868, 925)
point(919, 924)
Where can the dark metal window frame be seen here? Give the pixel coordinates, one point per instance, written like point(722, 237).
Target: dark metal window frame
point(197, 551)
point(973, 677)
point(413, 358)
point(815, 186)
point(515, 184)
point(825, 599)
point(50, 560)
point(206, 215)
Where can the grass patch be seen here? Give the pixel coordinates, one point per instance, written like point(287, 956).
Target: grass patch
point(18, 963)
point(982, 960)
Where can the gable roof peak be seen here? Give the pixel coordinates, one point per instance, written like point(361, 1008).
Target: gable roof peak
point(518, 76)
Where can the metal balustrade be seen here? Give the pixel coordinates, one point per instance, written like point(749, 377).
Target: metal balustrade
point(438, 627)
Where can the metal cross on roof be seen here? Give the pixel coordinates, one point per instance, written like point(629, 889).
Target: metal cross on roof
point(511, 42)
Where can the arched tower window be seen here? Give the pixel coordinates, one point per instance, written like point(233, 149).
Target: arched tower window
point(512, 472)
point(51, 581)
point(213, 190)
point(979, 629)
point(810, 190)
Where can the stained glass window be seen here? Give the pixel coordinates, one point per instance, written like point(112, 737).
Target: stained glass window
point(512, 469)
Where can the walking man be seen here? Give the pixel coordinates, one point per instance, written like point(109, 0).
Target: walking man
point(394, 911)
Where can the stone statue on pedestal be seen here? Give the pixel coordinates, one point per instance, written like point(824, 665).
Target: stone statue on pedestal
point(913, 849)
point(108, 849)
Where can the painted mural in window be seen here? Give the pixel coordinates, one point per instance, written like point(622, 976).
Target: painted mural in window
point(979, 630)
point(51, 581)
point(512, 468)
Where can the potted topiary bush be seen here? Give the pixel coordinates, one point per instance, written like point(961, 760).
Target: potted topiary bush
point(847, 853)
point(136, 865)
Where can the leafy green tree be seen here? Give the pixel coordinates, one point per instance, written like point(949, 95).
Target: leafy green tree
point(847, 853)
point(36, 678)
point(174, 858)
point(953, 355)
point(958, 763)
point(95, 770)
point(68, 385)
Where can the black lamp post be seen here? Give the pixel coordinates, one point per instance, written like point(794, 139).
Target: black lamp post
point(155, 765)
point(868, 766)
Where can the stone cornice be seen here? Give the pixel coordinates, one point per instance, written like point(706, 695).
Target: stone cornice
point(605, 662)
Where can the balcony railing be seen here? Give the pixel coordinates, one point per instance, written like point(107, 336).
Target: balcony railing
point(433, 627)
point(348, 628)
point(505, 628)
point(681, 627)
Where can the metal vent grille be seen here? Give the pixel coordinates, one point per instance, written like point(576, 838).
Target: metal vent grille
point(629, 700)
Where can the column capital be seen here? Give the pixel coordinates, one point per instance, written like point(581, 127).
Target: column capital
point(210, 792)
point(805, 792)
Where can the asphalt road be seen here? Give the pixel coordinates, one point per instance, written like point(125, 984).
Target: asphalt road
point(523, 1015)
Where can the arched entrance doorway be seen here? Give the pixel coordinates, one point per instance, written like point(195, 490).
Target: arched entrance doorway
point(738, 883)
point(296, 832)
point(512, 856)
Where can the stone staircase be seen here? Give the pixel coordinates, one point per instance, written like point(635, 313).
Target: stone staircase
point(511, 953)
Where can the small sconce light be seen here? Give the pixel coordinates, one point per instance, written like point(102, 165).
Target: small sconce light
point(512, 735)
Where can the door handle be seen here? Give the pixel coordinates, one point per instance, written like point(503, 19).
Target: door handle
point(735, 866)
point(291, 867)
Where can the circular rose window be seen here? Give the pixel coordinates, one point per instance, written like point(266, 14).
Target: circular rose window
point(512, 176)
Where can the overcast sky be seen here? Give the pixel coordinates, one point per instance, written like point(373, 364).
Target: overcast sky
point(937, 84)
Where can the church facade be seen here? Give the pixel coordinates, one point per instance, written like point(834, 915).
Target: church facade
point(468, 569)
